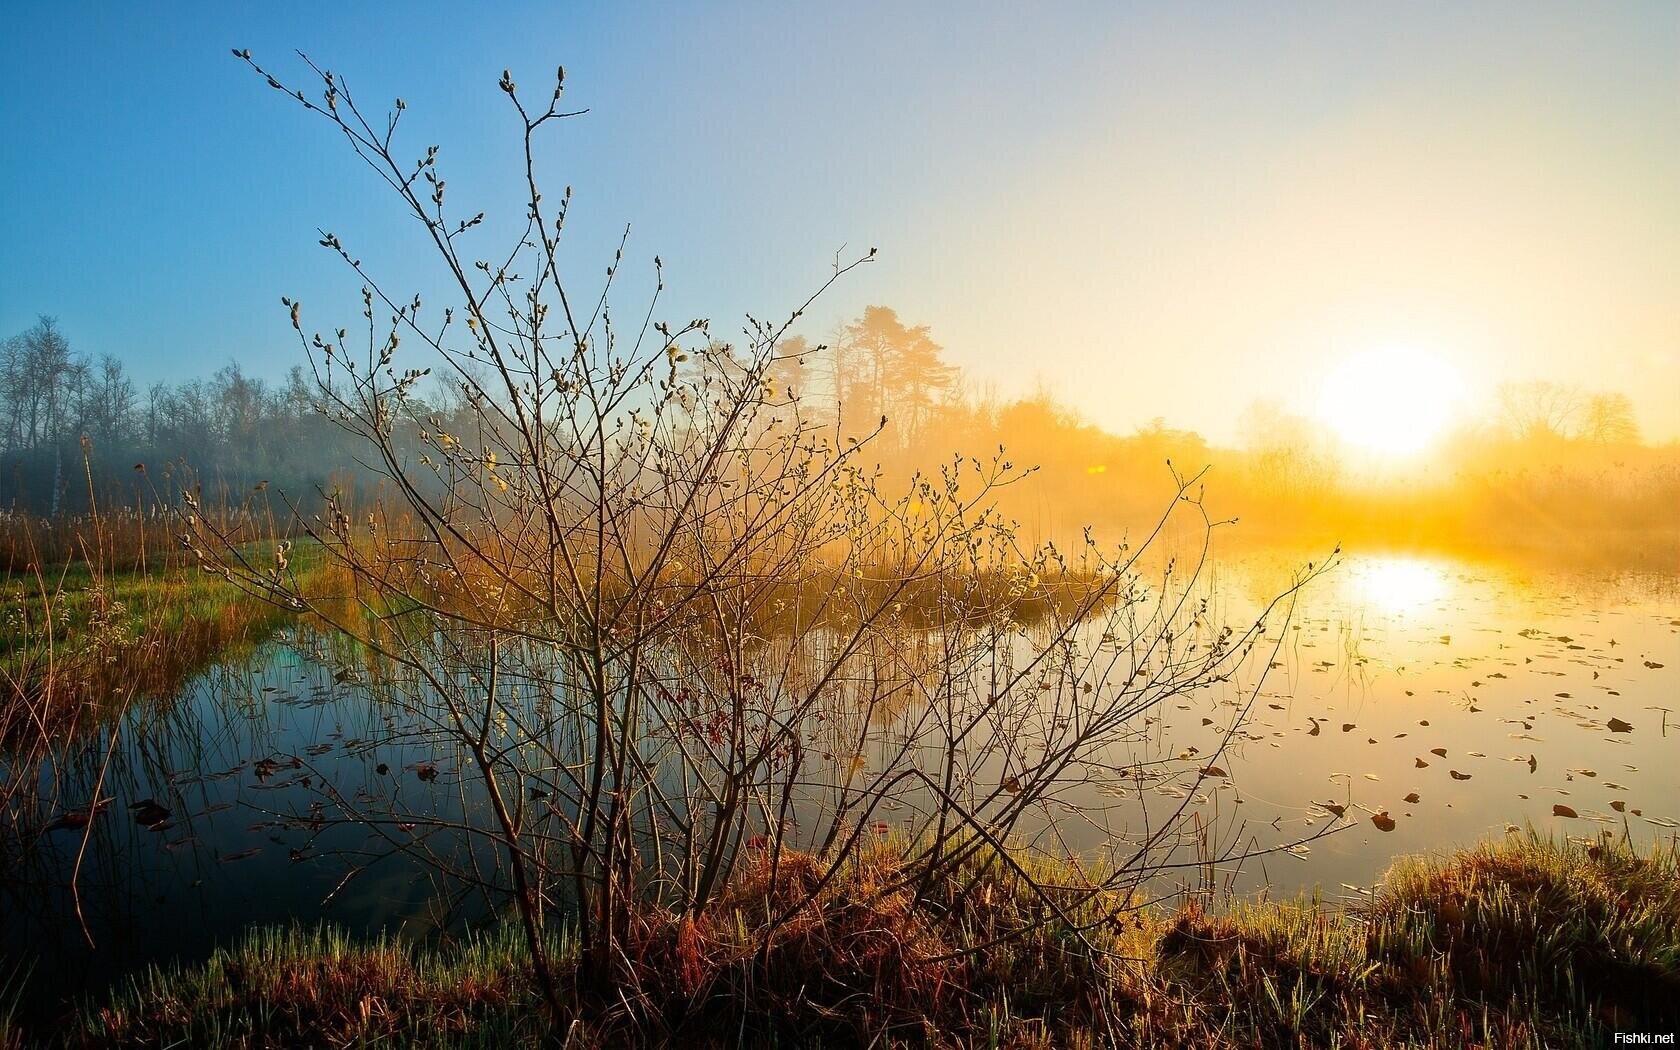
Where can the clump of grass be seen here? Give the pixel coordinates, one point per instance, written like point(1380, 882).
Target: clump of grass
point(786, 960)
point(1522, 942)
point(1555, 929)
point(1525, 942)
point(851, 959)
point(284, 988)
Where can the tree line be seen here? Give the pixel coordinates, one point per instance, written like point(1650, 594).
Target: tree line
point(1576, 452)
point(65, 414)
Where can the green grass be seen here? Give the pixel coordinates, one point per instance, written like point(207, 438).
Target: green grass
point(74, 636)
point(285, 988)
point(73, 593)
point(1525, 942)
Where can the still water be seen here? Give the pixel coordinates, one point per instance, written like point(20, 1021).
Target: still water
point(1431, 702)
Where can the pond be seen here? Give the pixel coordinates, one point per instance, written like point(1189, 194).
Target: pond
point(1411, 704)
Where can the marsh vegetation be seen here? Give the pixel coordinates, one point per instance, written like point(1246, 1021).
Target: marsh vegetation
point(625, 684)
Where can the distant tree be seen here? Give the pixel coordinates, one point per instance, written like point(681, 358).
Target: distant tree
point(1162, 442)
point(239, 405)
point(893, 370)
point(1607, 419)
point(37, 374)
point(109, 407)
point(41, 376)
point(293, 400)
point(1035, 422)
point(1539, 409)
point(1285, 452)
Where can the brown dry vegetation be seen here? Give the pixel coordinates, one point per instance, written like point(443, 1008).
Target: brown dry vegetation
point(563, 586)
point(102, 607)
point(1519, 943)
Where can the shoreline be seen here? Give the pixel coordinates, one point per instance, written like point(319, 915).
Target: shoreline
point(1527, 941)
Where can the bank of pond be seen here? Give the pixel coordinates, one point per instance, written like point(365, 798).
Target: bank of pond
point(1526, 941)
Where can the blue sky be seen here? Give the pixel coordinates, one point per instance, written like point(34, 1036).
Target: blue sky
point(1152, 209)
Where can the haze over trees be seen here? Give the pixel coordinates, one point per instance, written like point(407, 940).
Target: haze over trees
point(793, 688)
point(56, 403)
point(1576, 453)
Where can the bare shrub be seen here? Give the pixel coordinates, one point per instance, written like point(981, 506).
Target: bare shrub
point(655, 621)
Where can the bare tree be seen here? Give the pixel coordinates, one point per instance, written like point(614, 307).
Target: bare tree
point(653, 620)
point(1539, 409)
point(1608, 419)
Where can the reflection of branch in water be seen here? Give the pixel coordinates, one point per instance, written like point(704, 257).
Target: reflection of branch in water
point(95, 804)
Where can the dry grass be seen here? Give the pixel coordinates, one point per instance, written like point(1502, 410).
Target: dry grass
point(78, 639)
point(1524, 942)
point(1520, 943)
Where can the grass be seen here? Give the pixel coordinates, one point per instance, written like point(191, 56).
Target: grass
point(1526, 942)
point(80, 633)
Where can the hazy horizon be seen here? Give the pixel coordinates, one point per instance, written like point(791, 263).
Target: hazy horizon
point(950, 525)
point(1149, 214)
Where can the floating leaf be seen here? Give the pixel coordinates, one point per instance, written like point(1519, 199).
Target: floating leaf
point(1456, 775)
point(1383, 821)
point(1561, 810)
point(147, 813)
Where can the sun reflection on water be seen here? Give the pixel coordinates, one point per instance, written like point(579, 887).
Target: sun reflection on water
point(1397, 584)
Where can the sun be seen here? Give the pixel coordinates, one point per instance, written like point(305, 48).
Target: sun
point(1391, 402)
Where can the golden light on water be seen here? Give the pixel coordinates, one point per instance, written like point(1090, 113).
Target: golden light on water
point(1391, 402)
point(1399, 584)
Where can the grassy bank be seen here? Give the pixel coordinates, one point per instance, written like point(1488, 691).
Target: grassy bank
point(80, 634)
point(1519, 943)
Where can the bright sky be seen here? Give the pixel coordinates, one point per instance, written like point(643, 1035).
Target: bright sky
point(1163, 210)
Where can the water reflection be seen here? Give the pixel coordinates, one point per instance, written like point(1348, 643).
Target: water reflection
point(1447, 699)
point(1398, 585)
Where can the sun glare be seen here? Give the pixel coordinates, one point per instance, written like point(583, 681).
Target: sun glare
point(1392, 402)
point(1400, 585)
